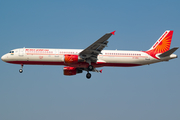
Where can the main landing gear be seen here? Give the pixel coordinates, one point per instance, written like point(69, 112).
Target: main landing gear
point(21, 70)
point(88, 75)
point(90, 68)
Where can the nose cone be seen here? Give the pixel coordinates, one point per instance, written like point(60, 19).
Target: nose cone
point(3, 58)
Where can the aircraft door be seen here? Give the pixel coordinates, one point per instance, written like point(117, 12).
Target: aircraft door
point(21, 52)
point(56, 53)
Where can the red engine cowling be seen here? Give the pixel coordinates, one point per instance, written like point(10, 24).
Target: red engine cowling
point(71, 71)
point(70, 58)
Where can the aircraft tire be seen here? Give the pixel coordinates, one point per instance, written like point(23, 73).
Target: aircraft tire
point(20, 70)
point(88, 75)
point(90, 67)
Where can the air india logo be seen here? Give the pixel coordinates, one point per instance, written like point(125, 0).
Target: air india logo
point(40, 57)
point(162, 45)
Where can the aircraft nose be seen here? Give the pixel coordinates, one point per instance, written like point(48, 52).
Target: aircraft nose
point(3, 58)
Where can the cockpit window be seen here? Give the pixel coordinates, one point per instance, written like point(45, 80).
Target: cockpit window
point(11, 52)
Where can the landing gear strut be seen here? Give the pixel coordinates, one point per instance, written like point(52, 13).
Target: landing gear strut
point(21, 70)
point(90, 67)
point(88, 75)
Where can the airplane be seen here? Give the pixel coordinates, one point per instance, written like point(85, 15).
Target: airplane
point(79, 60)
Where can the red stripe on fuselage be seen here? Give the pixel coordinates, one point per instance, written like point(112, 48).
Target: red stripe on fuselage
point(80, 64)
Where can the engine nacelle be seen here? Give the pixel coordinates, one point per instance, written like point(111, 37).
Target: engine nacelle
point(71, 71)
point(71, 58)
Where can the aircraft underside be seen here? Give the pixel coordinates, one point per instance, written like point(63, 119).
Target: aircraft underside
point(78, 65)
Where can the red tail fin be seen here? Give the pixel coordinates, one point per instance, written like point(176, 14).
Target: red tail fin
point(162, 44)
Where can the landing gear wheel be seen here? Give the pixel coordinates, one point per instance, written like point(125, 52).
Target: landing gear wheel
point(90, 67)
point(20, 70)
point(88, 75)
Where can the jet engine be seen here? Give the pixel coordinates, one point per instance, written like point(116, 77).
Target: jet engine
point(71, 71)
point(68, 58)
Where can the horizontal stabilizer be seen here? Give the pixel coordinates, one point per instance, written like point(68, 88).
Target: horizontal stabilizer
point(169, 52)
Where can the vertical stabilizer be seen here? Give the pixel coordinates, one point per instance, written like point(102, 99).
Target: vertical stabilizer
point(162, 44)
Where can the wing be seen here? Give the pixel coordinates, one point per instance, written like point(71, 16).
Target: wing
point(95, 49)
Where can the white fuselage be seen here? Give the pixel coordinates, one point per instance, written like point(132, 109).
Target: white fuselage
point(39, 56)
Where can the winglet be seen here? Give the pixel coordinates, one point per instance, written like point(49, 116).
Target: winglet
point(101, 71)
point(113, 32)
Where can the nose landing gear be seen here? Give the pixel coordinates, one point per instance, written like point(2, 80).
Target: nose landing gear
point(21, 70)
